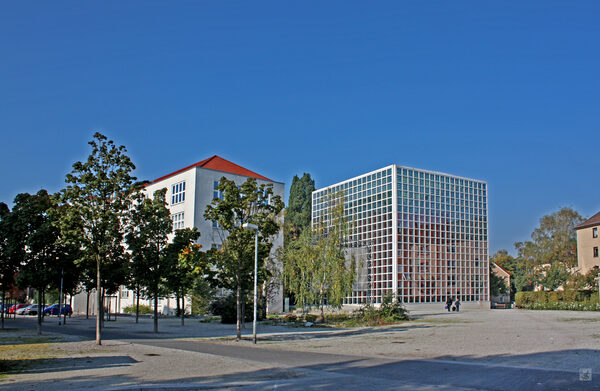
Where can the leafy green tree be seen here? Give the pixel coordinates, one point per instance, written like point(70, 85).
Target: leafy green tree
point(8, 262)
point(503, 259)
point(299, 209)
point(147, 240)
point(41, 255)
point(316, 266)
point(98, 197)
point(233, 265)
point(551, 253)
point(497, 285)
point(186, 263)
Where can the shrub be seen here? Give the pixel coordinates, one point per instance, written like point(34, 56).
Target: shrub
point(144, 309)
point(576, 300)
point(225, 307)
point(390, 311)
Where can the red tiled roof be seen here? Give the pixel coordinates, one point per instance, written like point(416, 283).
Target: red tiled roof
point(217, 163)
point(591, 222)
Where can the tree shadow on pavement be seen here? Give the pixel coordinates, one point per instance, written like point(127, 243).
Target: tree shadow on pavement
point(45, 365)
point(527, 372)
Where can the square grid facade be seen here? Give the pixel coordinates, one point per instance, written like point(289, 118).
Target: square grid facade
point(422, 235)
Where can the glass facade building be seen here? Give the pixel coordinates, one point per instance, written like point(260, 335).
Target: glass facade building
point(421, 235)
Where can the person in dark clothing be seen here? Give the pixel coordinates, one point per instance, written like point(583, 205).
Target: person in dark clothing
point(449, 302)
point(457, 305)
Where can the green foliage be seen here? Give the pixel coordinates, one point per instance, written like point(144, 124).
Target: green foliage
point(202, 295)
point(545, 259)
point(390, 311)
point(144, 309)
point(586, 281)
point(299, 209)
point(187, 263)
point(147, 241)
point(315, 265)
point(497, 284)
point(9, 244)
point(503, 259)
point(232, 267)
point(226, 308)
point(575, 300)
point(95, 206)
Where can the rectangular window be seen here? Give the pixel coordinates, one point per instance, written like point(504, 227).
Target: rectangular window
point(177, 219)
point(595, 252)
point(178, 193)
point(216, 193)
point(595, 232)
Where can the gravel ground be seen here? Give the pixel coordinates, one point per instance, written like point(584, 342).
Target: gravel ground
point(566, 340)
point(548, 340)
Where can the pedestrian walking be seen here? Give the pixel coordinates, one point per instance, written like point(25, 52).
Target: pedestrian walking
point(457, 305)
point(449, 302)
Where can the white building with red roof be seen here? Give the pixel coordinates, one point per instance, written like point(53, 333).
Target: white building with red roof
point(189, 191)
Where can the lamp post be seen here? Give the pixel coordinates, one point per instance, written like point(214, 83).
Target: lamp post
point(252, 227)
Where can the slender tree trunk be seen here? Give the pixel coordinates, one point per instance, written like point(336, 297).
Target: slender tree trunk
point(3, 306)
point(87, 305)
point(177, 308)
point(182, 308)
point(99, 301)
point(156, 310)
point(39, 315)
point(137, 303)
point(43, 301)
point(238, 303)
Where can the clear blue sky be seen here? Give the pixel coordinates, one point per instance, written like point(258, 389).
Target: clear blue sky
point(507, 92)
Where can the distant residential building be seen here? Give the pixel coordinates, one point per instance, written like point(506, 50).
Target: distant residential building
point(504, 274)
point(423, 234)
point(189, 191)
point(588, 244)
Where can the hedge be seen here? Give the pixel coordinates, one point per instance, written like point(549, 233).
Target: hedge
point(573, 300)
point(144, 309)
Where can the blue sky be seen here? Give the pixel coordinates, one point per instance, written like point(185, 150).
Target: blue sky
point(503, 92)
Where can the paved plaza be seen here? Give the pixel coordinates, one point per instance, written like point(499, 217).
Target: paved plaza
point(473, 349)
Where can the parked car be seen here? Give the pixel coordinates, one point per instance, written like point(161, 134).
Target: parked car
point(28, 309)
point(16, 307)
point(53, 310)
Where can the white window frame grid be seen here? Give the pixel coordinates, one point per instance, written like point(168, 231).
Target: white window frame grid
point(426, 271)
point(177, 193)
point(178, 220)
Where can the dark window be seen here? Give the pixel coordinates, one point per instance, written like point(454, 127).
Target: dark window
point(595, 232)
point(595, 252)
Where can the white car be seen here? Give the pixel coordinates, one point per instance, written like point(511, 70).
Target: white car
point(27, 310)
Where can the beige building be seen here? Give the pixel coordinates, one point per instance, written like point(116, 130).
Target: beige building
point(588, 244)
point(503, 299)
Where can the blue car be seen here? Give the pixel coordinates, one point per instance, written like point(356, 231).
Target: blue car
point(53, 310)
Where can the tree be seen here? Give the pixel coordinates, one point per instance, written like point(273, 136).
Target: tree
point(233, 265)
point(97, 196)
point(551, 253)
point(150, 225)
point(316, 266)
point(39, 242)
point(8, 262)
point(186, 262)
point(299, 209)
point(506, 261)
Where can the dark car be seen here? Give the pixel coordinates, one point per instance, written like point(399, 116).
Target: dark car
point(53, 310)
